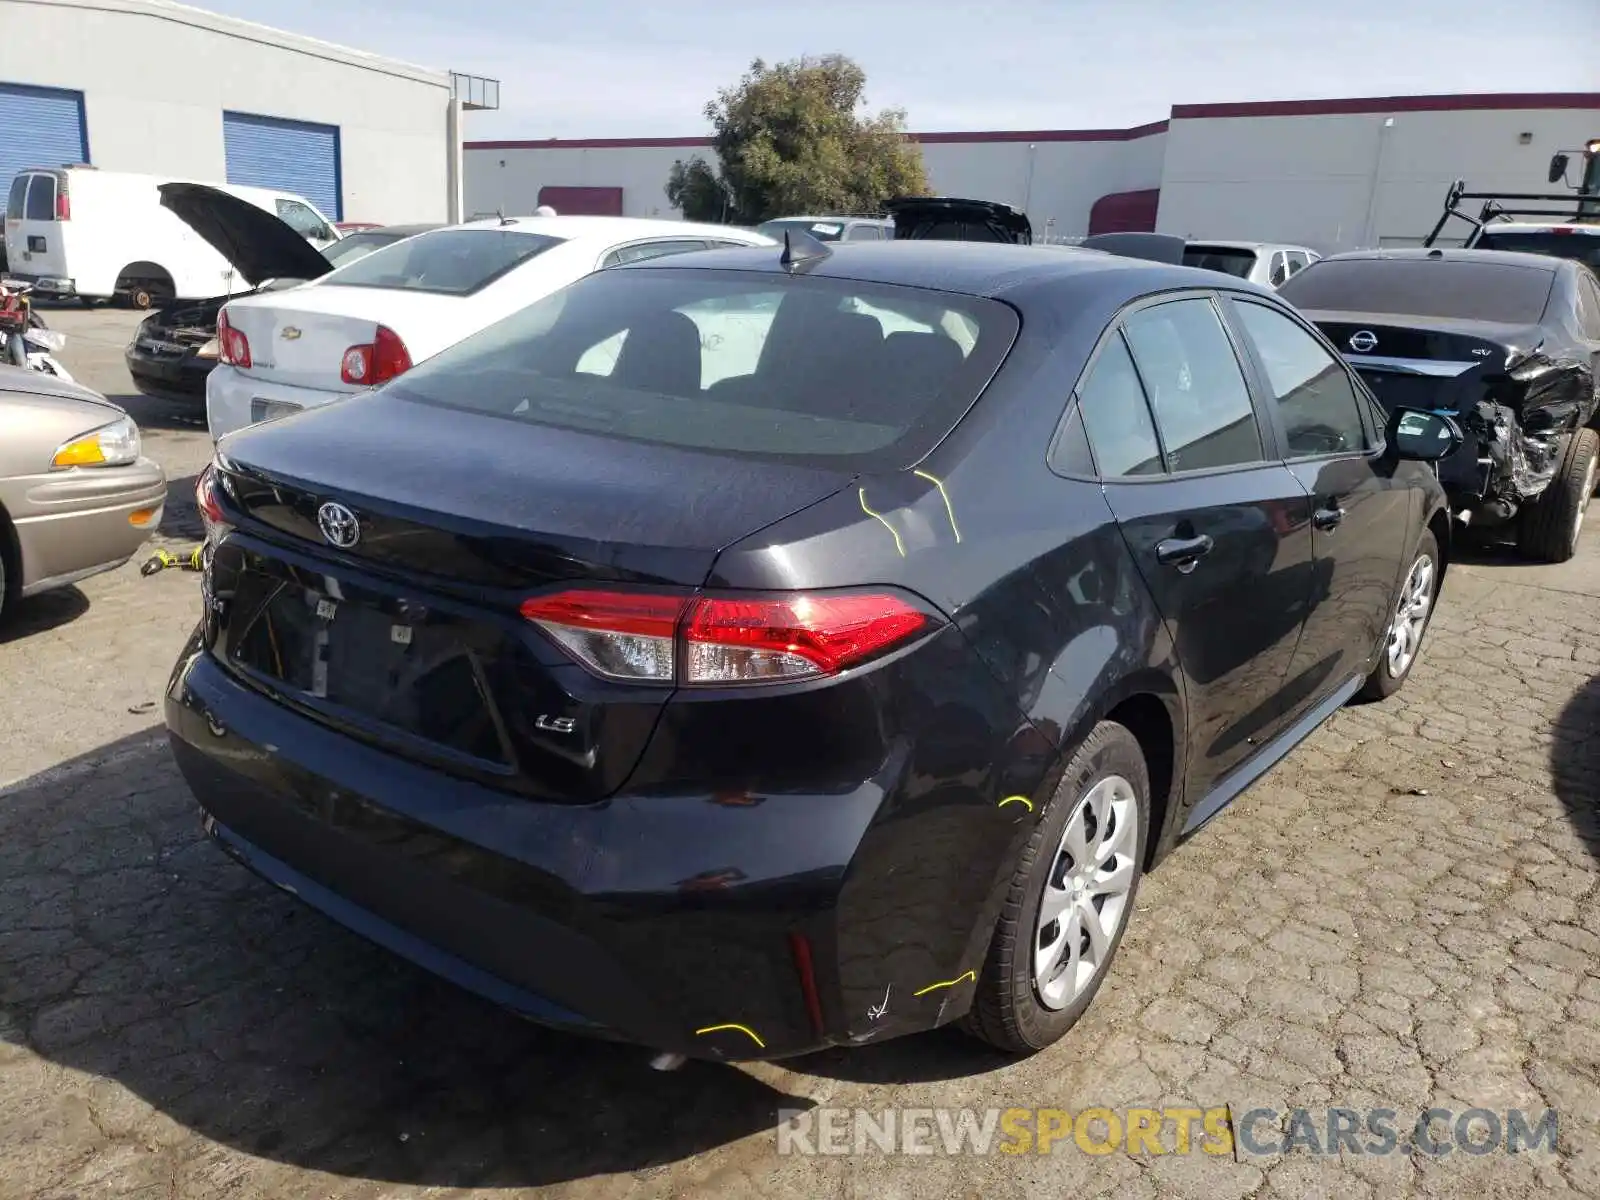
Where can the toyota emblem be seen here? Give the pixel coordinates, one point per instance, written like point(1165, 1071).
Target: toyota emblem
point(1363, 340)
point(339, 525)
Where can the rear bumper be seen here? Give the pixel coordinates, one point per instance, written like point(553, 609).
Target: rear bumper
point(231, 396)
point(744, 927)
point(78, 524)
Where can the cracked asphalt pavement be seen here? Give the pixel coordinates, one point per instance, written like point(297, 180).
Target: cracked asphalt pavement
point(1402, 915)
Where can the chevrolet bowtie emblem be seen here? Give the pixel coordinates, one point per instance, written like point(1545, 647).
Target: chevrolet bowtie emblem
point(290, 333)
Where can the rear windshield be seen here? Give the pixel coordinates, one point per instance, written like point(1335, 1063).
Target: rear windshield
point(356, 245)
point(824, 372)
point(1580, 247)
point(1453, 289)
point(1230, 259)
point(453, 262)
point(823, 230)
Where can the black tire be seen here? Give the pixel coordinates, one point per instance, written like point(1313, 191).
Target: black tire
point(1549, 528)
point(1007, 1011)
point(1385, 681)
point(10, 570)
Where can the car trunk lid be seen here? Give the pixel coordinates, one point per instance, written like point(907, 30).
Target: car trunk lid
point(299, 337)
point(949, 218)
point(410, 635)
point(1436, 363)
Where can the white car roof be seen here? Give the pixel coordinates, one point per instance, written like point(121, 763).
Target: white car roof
point(1591, 228)
point(606, 230)
point(1258, 247)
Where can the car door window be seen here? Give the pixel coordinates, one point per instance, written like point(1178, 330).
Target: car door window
point(302, 220)
point(640, 251)
point(1195, 385)
point(1297, 262)
point(1280, 268)
point(1116, 416)
point(865, 233)
point(1317, 403)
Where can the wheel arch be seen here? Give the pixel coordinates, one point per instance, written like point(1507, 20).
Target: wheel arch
point(11, 554)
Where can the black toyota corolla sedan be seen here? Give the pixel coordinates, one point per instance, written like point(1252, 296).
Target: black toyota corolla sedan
point(753, 651)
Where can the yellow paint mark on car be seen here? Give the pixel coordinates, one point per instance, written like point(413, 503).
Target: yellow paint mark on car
point(744, 1029)
point(962, 978)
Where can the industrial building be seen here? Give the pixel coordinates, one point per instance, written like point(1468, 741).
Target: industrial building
point(1330, 174)
point(159, 88)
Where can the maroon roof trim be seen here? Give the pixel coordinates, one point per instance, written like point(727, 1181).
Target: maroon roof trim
point(1480, 102)
point(1043, 135)
point(592, 143)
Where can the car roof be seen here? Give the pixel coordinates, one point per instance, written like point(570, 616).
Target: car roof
point(1507, 258)
point(1589, 227)
point(830, 217)
point(970, 268)
point(614, 229)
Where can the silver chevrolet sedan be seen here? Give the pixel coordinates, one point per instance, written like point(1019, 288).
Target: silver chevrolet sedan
point(77, 497)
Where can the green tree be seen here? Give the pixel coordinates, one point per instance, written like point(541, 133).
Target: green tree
point(796, 138)
point(694, 189)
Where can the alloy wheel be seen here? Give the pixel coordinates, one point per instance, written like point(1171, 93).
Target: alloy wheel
point(1085, 901)
point(1410, 616)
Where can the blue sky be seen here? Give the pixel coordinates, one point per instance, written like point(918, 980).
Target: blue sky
point(621, 68)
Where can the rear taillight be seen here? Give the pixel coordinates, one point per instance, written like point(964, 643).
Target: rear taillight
point(63, 203)
point(208, 500)
point(233, 347)
point(724, 640)
point(377, 361)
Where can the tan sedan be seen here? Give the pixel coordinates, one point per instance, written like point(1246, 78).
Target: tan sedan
point(76, 495)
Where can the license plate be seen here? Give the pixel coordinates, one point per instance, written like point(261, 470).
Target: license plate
point(271, 410)
point(414, 675)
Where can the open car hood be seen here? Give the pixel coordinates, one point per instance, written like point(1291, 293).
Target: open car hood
point(1155, 247)
point(934, 216)
point(256, 244)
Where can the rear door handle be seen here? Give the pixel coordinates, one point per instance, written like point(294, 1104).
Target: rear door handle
point(1327, 518)
point(1183, 553)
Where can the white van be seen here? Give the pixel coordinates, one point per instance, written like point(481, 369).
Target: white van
point(80, 231)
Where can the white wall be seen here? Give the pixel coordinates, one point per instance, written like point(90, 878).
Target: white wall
point(156, 78)
point(508, 178)
point(1347, 182)
point(1068, 176)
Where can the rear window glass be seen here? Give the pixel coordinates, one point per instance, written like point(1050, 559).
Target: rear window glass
point(16, 197)
point(42, 198)
point(1450, 288)
point(1229, 259)
point(454, 262)
point(823, 230)
point(825, 372)
point(1580, 247)
point(356, 245)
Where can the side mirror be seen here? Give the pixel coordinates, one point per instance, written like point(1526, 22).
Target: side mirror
point(1421, 436)
point(1558, 168)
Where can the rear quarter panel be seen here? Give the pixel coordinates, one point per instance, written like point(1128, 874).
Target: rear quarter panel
point(1053, 616)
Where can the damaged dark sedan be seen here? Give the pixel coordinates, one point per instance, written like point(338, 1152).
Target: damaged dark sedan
point(1506, 343)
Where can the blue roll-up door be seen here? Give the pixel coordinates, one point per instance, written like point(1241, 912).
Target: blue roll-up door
point(287, 156)
point(42, 127)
